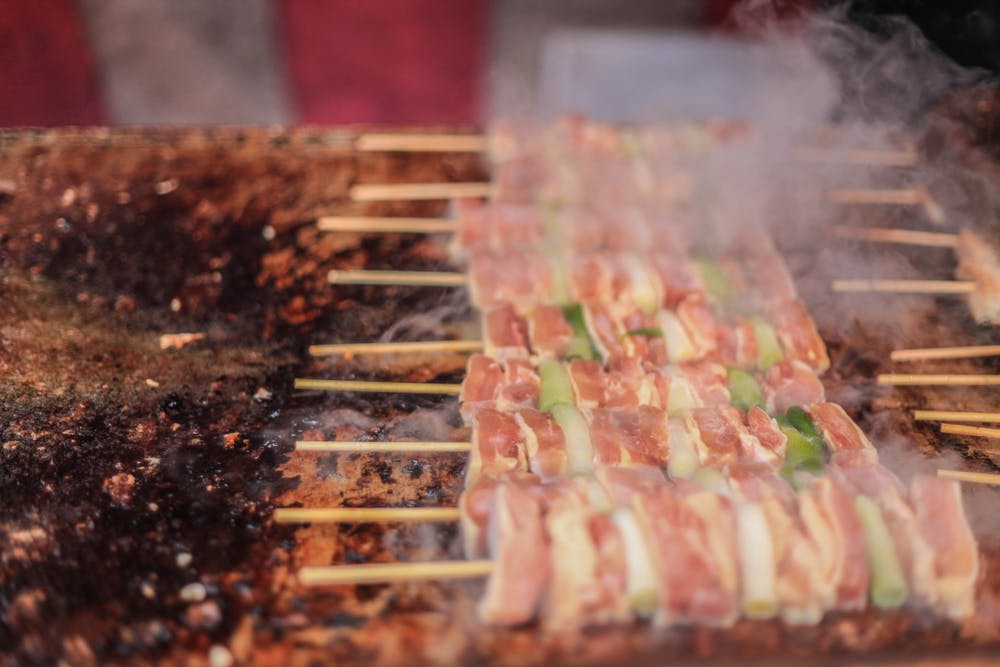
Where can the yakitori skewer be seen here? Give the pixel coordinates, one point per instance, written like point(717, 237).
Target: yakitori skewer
point(888, 196)
point(441, 142)
point(977, 431)
point(401, 278)
point(873, 157)
point(376, 386)
point(373, 225)
point(418, 191)
point(966, 476)
point(935, 353)
point(978, 273)
point(450, 190)
point(364, 514)
point(402, 447)
point(419, 142)
point(900, 236)
point(386, 573)
point(940, 379)
point(955, 416)
point(906, 286)
point(408, 347)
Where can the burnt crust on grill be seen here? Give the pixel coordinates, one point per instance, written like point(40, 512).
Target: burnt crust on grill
point(137, 483)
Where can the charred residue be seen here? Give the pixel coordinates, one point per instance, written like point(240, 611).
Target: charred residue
point(137, 483)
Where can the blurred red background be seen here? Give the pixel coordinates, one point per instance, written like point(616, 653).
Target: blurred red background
point(337, 61)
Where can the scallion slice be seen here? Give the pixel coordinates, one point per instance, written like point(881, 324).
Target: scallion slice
point(579, 449)
point(744, 392)
point(888, 583)
point(555, 386)
point(640, 572)
point(768, 348)
point(757, 563)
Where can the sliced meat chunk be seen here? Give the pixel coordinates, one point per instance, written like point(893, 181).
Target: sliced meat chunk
point(520, 388)
point(863, 476)
point(829, 518)
point(839, 430)
point(772, 440)
point(791, 383)
point(516, 536)
point(476, 503)
point(693, 585)
point(481, 386)
point(797, 333)
point(549, 331)
point(545, 444)
point(938, 506)
point(505, 334)
point(498, 445)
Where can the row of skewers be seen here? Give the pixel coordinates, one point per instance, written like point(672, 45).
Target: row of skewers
point(608, 364)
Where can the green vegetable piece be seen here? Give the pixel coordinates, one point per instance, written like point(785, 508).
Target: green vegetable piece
point(768, 347)
point(744, 391)
point(757, 562)
point(579, 349)
point(716, 283)
point(579, 448)
point(641, 580)
point(555, 386)
point(887, 584)
point(803, 452)
point(573, 312)
point(580, 346)
point(650, 332)
point(801, 420)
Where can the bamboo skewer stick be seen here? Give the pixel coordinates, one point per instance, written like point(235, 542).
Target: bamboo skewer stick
point(373, 225)
point(906, 286)
point(901, 236)
point(380, 446)
point(899, 196)
point(955, 416)
point(889, 196)
point(883, 157)
point(404, 278)
point(930, 353)
point(396, 347)
point(418, 142)
point(386, 573)
point(415, 191)
point(373, 386)
point(965, 429)
point(940, 380)
point(364, 514)
point(965, 476)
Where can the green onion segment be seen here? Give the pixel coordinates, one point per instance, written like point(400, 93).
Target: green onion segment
point(579, 448)
point(888, 583)
point(555, 386)
point(744, 392)
point(581, 346)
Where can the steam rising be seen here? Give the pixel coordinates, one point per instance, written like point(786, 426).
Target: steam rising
point(805, 80)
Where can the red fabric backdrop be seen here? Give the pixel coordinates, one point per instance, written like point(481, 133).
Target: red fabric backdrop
point(345, 61)
point(47, 73)
point(385, 61)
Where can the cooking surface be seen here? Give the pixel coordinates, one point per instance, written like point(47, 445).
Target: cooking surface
point(136, 483)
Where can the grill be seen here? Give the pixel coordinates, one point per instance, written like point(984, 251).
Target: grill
point(138, 482)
